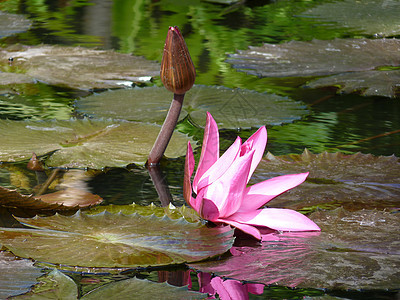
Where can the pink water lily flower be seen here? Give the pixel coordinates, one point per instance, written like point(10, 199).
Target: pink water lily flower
point(220, 194)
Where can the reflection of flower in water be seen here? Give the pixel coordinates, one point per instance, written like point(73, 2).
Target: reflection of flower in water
point(227, 289)
point(281, 258)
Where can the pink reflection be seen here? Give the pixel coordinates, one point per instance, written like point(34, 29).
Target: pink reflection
point(280, 259)
point(227, 289)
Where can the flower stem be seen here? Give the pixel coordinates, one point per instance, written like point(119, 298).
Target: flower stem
point(166, 131)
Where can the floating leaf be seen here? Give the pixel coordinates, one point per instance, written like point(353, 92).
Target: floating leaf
point(71, 199)
point(80, 68)
point(372, 17)
point(83, 143)
point(354, 250)
point(115, 240)
point(320, 58)
point(11, 24)
point(16, 275)
point(371, 83)
point(231, 108)
point(54, 285)
point(142, 289)
point(335, 179)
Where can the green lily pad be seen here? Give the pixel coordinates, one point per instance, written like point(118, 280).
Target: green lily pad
point(16, 275)
point(372, 17)
point(336, 179)
point(231, 108)
point(321, 58)
point(115, 240)
point(56, 285)
point(84, 143)
point(142, 289)
point(80, 68)
point(371, 83)
point(11, 24)
point(354, 250)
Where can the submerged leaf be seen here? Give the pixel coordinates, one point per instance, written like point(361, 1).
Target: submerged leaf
point(80, 68)
point(16, 275)
point(83, 143)
point(320, 58)
point(336, 179)
point(115, 240)
point(354, 250)
point(231, 108)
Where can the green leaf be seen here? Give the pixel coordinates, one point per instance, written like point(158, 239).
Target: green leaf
point(372, 17)
point(80, 68)
point(115, 240)
point(371, 83)
point(231, 108)
point(142, 289)
point(84, 143)
point(11, 24)
point(336, 179)
point(354, 250)
point(320, 58)
point(16, 275)
point(54, 285)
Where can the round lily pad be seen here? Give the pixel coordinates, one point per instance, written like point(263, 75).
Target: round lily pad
point(84, 143)
point(354, 250)
point(326, 57)
point(17, 275)
point(11, 24)
point(371, 17)
point(231, 108)
point(115, 240)
point(80, 68)
point(336, 179)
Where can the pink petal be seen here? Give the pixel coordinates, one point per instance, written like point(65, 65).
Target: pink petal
point(221, 165)
point(258, 194)
point(256, 142)
point(208, 210)
point(276, 218)
point(189, 168)
point(249, 229)
point(255, 288)
point(209, 151)
point(204, 280)
point(227, 191)
point(229, 289)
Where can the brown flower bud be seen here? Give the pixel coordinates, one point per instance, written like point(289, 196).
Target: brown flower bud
point(35, 164)
point(177, 69)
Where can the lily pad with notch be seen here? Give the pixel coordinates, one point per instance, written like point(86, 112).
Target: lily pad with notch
point(361, 249)
point(352, 181)
point(323, 58)
point(84, 143)
point(115, 240)
point(80, 68)
point(231, 108)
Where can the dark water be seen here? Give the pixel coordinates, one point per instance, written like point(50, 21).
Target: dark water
point(348, 123)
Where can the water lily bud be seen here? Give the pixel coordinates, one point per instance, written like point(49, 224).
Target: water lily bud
point(177, 69)
point(35, 164)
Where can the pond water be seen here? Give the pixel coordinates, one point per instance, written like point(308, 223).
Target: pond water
point(337, 117)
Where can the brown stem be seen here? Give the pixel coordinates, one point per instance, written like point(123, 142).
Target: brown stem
point(160, 184)
point(166, 131)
